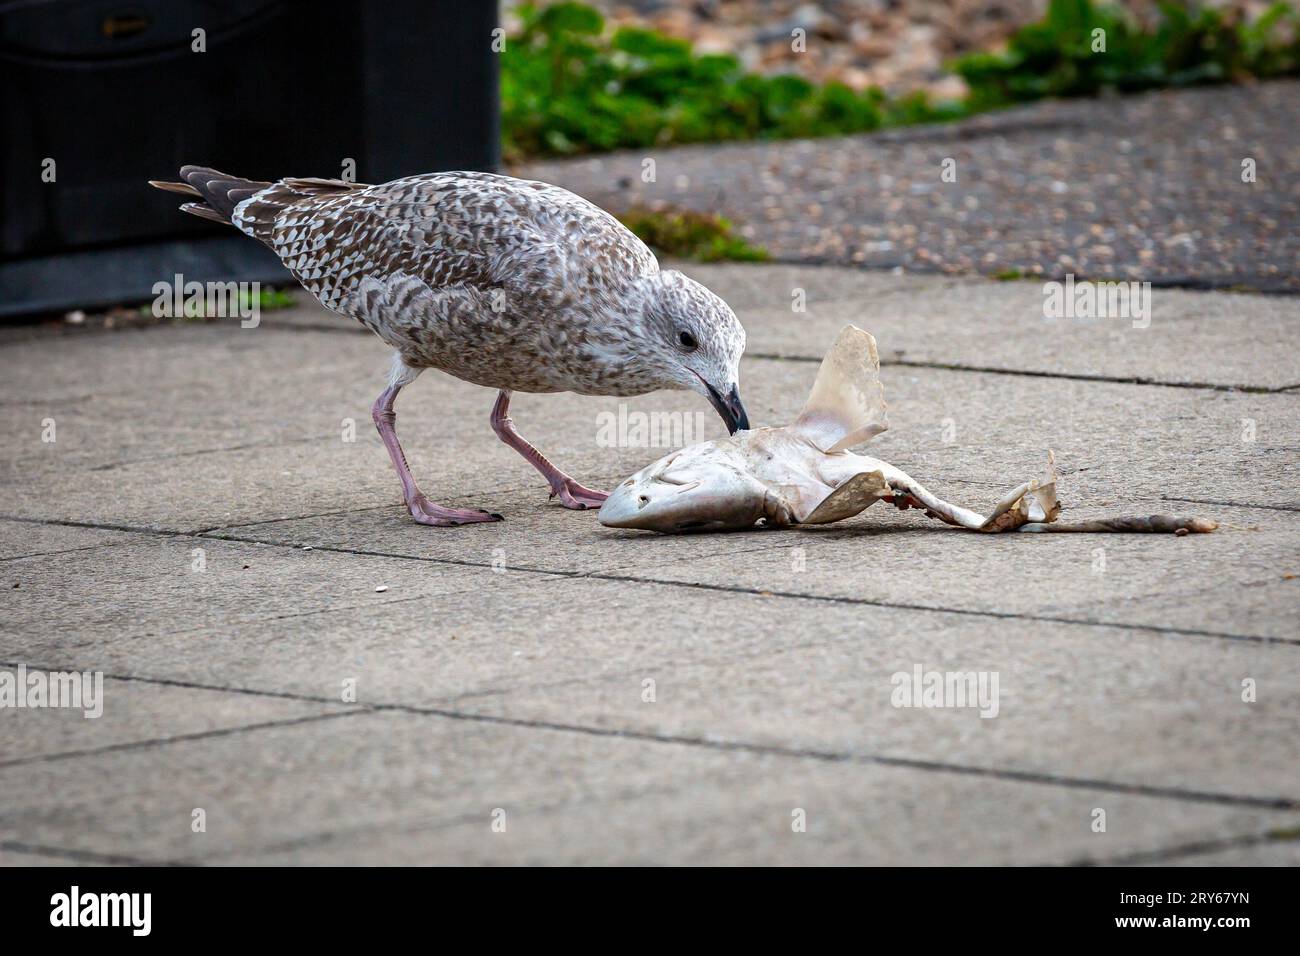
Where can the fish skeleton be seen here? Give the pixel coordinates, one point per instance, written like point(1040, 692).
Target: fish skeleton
point(804, 474)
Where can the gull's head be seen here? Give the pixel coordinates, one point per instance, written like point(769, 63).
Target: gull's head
point(692, 339)
point(701, 488)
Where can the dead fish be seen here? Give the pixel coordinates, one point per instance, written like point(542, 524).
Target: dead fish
point(804, 474)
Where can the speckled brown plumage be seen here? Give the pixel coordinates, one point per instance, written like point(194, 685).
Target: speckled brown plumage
point(508, 283)
point(503, 282)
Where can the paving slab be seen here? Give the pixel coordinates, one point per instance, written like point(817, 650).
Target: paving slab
point(155, 584)
point(133, 713)
point(1112, 441)
point(295, 461)
point(25, 539)
point(505, 663)
point(1235, 582)
point(230, 445)
point(746, 820)
point(1067, 695)
point(1226, 340)
point(1241, 580)
point(371, 788)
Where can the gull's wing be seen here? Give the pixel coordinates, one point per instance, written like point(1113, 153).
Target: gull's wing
point(475, 230)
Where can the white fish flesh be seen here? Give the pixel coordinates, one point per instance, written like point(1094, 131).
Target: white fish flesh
point(804, 474)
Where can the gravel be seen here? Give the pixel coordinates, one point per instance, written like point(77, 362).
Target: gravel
point(1147, 187)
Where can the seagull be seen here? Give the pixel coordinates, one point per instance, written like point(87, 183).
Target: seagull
point(515, 285)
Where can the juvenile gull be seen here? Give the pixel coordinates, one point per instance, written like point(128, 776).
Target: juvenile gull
point(512, 284)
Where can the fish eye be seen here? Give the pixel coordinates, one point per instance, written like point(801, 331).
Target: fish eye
point(687, 341)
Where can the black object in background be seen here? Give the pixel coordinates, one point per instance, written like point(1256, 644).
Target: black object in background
point(115, 95)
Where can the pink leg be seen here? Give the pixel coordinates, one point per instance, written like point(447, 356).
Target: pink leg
point(571, 494)
point(421, 508)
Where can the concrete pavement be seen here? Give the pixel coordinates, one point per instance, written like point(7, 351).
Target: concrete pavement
point(329, 682)
point(1182, 187)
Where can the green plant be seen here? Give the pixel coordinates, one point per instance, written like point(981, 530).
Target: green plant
point(567, 88)
point(271, 299)
point(194, 309)
point(1081, 48)
point(690, 235)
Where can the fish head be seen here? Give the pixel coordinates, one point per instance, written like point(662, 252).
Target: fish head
point(705, 487)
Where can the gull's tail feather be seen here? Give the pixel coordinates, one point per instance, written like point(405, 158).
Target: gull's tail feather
point(220, 193)
point(185, 189)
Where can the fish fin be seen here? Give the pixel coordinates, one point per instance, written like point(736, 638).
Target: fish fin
point(855, 495)
point(1034, 502)
point(847, 402)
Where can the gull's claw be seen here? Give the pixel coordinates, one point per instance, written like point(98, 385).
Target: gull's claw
point(425, 511)
point(576, 497)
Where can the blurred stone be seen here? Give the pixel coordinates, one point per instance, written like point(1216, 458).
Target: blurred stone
point(898, 45)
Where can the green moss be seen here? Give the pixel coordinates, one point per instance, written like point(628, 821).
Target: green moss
point(705, 237)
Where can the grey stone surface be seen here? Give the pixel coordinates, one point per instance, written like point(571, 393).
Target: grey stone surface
point(1225, 340)
point(1146, 187)
point(1284, 852)
point(154, 585)
point(18, 854)
point(503, 665)
point(20, 540)
point(413, 788)
point(1198, 583)
point(135, 714)
point(1100, 703)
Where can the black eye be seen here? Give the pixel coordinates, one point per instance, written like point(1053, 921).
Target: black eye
point(688, 341)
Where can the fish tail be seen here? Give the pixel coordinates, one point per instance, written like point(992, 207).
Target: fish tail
point(1133, 524)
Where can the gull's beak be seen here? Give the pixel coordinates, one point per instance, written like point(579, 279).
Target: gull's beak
point(730, 408)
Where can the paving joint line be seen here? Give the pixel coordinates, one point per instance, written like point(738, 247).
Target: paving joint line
point(905, 363)
point(1229, 504)
point(734, 589)
point(47, 554)
point(739, 746)
point(1038, 373)
point(178, 738)
point(83, 856)
point(1198, 848)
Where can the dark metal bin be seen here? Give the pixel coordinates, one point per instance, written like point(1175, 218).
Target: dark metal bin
point(115, 94)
